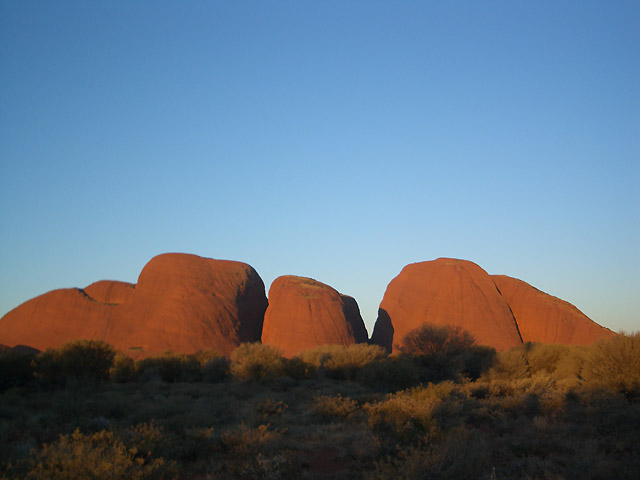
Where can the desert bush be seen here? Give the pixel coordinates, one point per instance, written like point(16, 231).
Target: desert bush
point(544, 358)
point(246, 440)
point(298, 369)
point(614, 364)
point(477, 360)
point(327, 408)
point(214, 366)
point(443, 351)
point(79, 359)
point(395, 372)
point(340, 361)
point(16, 369)
point(170, 367)
point(98, 456)
point(123, 369)
point(510, 365)
point(256, 362)
point(459, 454)
point(412, 413)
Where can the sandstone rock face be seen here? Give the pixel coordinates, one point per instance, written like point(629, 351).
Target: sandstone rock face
point(183, 303)
point(110, 291)
point(304, 313)
point(445, 292)
point(547, 319)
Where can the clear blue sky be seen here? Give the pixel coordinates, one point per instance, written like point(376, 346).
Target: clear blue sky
point(334, 139)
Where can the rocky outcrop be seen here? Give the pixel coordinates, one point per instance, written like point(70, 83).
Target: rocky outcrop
point(110, 291)
point(445, 292)
point(547, 319)
point(304, 313)
point(183, 303)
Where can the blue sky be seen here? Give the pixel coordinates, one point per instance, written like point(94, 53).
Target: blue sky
point(338, 139)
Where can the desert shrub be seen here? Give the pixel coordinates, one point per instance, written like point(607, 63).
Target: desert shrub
point(214, 366)
point(98, 456)
point(327, 408)
point(544, 358)
point(123, 369)
point(246, 440)
point(170, 367)
point(268, 407)
point(255, 453)
point(340, 361)
point(570, 363)
point(459, 454)
point(395, 372)
point(477, 360)
point(255, 362)
point(412, 413)
point(298, 369)
point(510, 365)
point(80, 359)
point(614, 364)
point(443, 351)
point(16, 369)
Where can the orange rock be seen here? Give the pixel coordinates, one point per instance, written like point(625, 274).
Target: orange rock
point(183, 303)
point(304, 313)
point(445, 292)
point(110, 291)
point(547, 319)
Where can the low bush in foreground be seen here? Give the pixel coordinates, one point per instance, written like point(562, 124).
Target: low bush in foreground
point(340, 361)
point(255, 362)
point(96, 456)
point(80, 359)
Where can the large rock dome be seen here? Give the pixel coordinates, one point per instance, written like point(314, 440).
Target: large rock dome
point(183, 303)
point(445, 291)
point(547, 319)
point(304, 313)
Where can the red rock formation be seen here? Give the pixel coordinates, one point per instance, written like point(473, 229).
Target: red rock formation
point(183, 303)
point(445, 292)
point(110, 291)
point(304, 313)
point(546, 319)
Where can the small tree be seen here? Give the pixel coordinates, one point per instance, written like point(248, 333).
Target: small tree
point(440, 349)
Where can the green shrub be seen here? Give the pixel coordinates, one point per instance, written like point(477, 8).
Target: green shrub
point(16, 369)
point(329, 408)
point(80, 359)
point(614, 364)
point(97, 456)
point(544, 358)
point(256, 362)
point(170, 367)
point(340, 361)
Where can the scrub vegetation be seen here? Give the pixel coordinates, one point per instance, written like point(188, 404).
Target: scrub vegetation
point(444, 408)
